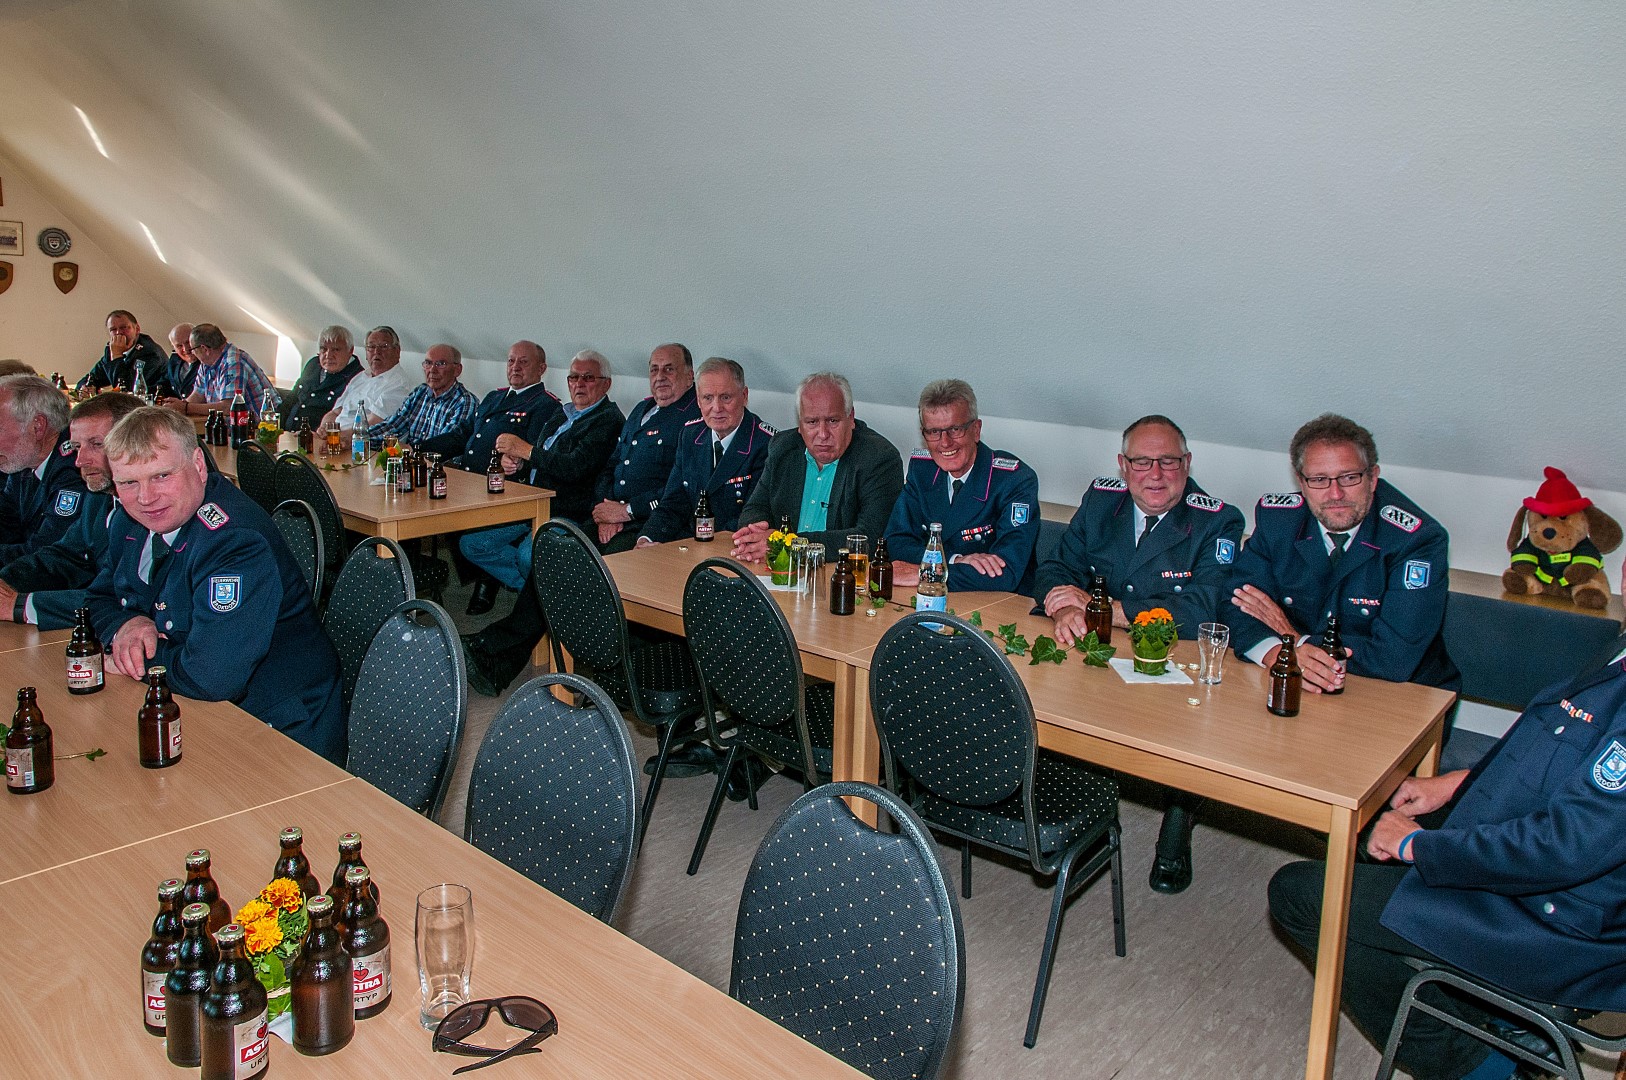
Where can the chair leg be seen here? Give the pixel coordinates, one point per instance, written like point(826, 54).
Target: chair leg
point(1119, 940)
point(668, 735)
point(965, 869)
point(711, 811)
point(1047, 956)
point(1386, 1067)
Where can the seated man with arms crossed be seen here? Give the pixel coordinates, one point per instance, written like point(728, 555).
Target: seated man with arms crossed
point(198, 580)
point(44, 494)
point(183, 363)
point(1159, 540)
point(524, 404)
point(630, 487)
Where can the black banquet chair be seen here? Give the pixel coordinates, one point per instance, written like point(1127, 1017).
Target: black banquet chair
point(958, 735)
point(257, 475)
point(582, 606)
point(554, 793)
point(298, 478)
point(751, 671)
point(411, 701)
point(296, 521)
point(850, 937)
point(374, 581)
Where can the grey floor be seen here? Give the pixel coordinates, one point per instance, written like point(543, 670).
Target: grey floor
point(1207, 988)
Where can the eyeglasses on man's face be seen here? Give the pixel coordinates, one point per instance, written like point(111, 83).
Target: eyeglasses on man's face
point(1343, 480)
point(1168, 462)
point(578, 378)
point(437, 365)
point(940, 434)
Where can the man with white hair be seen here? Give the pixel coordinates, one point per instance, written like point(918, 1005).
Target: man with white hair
point(323, 379)
point(382, 385)
point(44, 493)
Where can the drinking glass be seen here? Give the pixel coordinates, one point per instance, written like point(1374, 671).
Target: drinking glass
point(444, 933)
point(1213, 639)
point(812, 561)
point(392, 445)
point(798, 556)
point(331, 438)
point(858, 549)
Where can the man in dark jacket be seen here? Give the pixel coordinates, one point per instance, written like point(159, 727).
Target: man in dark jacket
point(44, 494)
point(128, 353)
point(322, 381)
point(629, 488)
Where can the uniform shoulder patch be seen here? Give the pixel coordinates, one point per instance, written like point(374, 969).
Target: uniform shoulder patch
point(918, 454)
point(1282, 500)
point(67, 503)
point(1224, 551)
point(1400, 519)
point(66, 449)
point(767, 428)
point(225, 592)
point(696, 420)
point(1205, 502)
point(1021, 512)
point(1416, 573)
point(1609, 771)
point(212, 516)
point(1007, 464)
point(1110, 483)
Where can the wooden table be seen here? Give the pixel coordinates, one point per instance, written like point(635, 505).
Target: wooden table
point(1330, 769)
point(372, 511)
point(14, 636)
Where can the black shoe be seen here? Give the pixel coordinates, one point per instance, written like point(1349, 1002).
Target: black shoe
point(1171, 875)
point(479, 681)
point(695, 759)
point(745, 778)
point(1526, 1039)
point(483, 599)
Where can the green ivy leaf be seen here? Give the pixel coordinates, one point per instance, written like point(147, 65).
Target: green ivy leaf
point(976, 620)
point(1096, 653)
point(1045, 650)
point(96, 753)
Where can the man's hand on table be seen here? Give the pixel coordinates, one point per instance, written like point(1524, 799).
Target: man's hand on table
point(8, 601)
point(133, 645)
point(751, 542)
point(1320, 672)
point(1253, 601)
point(1070, 623)
point(983, 562)
point(905, 575)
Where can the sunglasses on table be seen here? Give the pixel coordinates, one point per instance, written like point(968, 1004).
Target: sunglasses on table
point(525, 1013)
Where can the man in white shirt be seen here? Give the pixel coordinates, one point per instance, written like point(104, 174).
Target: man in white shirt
point(382, 385)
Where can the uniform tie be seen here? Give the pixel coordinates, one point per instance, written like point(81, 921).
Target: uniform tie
point(954, 489)
point(1337, 552)
point(1151, 523)
point(716, 453)
point(154, 558)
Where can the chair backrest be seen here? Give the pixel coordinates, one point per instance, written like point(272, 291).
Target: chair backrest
point(411, 699)
point(374, 581)
point(745, 651)
point(851, 937)
point(554, 793)
point(297, 478)
point(578, 596)
point(296, 521)
point(257, 474)
point(951, 711)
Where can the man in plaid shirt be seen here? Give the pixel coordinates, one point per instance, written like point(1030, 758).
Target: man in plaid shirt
point(438, 415)
point(224, 370)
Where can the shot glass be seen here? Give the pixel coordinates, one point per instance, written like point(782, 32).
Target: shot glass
point(1213, 641)
point(444, 934)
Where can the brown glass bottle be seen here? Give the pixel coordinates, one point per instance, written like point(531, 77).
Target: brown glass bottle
point(349, 855)
point(705, 522)
point(495, 481)
point(293, 864)
point(307, 438)
point(366, 938)
point(420, 469)
point(185, 986)
point(158, 723)
point(437, 478)
point(236, 1041)
point(1286, 681)
point(1332, 642)
point(201, 889)
point(322, 986)
point(843, 585)
point(880, 571)
point(29, 764)
point(158, 955)
point(1098, 612)
point(85, 673)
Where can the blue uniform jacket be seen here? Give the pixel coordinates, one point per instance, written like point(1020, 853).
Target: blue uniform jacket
point(1389, 591)
point(35, 511)
point(997, 512)
point(182, 375)
point(313, 393)
point(642, 459)
point(235, 615)
point(1525, 883)
point(121, 371)
point(1184, 564)
point(570, 467)
point(55, 577)
point(499, 412)
point(728, 485)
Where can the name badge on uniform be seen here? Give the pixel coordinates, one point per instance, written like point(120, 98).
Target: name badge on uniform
point(1609, 774)
point(225, 592)
point(66, 503)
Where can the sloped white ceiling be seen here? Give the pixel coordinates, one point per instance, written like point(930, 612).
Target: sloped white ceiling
point(1239, 214)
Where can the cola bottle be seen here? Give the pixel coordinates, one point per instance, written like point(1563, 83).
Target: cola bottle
point(85, 673)
point(322, 986)
point(185, 985)
point(158, 723)
point(292, 863)
point(236, 1041)
point(158, 955)
point(242, 421)
point(201, 889)
point(30, 766)
point(367, 939)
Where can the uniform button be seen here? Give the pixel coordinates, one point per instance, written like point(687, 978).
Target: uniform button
point(169, 624)
point(1131, 588)
point(1559, 730)
point(123, 602)
point(626, 461)
point(635, 442)
point(1287, 601)
point(1548, 908)
point(1177, 588)
point(1367, 612)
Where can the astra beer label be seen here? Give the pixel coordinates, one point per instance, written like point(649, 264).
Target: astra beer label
point(152, 997)
point(371, 976)
point(20, 767)
point(85, 672)
point(251, 1046)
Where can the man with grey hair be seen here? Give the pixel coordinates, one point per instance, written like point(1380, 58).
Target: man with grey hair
point(325, 376)
point(182, 373)
point(521, 406)
point(438, 414)
point(44, 493)
point(630, 487)
point(382, 385)
point(831, 476)
point(224, 371)
point(987, 501)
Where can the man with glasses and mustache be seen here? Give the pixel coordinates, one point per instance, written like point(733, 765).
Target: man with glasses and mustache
point(438, 415)
point(1159, 540)
point(986, 500)
point(1347, 544)
point(382, 385)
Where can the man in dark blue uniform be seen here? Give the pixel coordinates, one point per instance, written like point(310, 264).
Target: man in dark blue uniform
point(44, 494)
point(183, 366)
point(629, 489)
point(46, 587)
point(525, 404)
point(1517, 875)
point(322, 380)
point(1351, 545)
point(986, 500)
point(128, 352)
point(721, 452)
point(198, 580)
point(1159, 540)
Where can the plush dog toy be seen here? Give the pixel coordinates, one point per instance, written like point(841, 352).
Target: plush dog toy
point(1557, 541)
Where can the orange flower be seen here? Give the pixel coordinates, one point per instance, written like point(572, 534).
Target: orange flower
point(283, 893)
point(1155, 615)
point(262, 936)
point(255, 911)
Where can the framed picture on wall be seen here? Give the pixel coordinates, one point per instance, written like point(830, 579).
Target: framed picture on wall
point(11, 238)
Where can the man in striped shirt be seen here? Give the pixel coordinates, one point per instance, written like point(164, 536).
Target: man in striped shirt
point(438, 415)
point(224, 371)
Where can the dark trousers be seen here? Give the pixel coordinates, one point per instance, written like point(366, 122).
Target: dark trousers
point(1375, 975)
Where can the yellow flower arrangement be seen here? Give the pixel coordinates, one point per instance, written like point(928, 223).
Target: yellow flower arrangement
point(274, 925)
point(255, 911)
point(284, 893)
point(1152, 635)
point(262, 936)
point(779, 542)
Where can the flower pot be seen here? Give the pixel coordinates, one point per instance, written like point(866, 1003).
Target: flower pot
point(780, 569)
point(1151, 657)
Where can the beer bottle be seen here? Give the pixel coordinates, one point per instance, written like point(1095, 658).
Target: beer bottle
point(158, 723)
point(29, 764)
point(236, 1041)
point(307, 438)
point(1286, 681)
point(349, 855)
point(367, 939)
point(85, 674)
point(705, 522)
point(185, 986)
point(58, 381)
point(158, 955)
point(211, 428)
point(843, 584)
point(293, 865)
point(437, 478)
point(242, 421)
point(931, 594)
point(403, 475)
point(880, 572)
point(784, 524)
point(201, 889)
point(1098, 612)
point(420, 469)
point(322, 986)
point(1333, 644)
point(495, 481)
